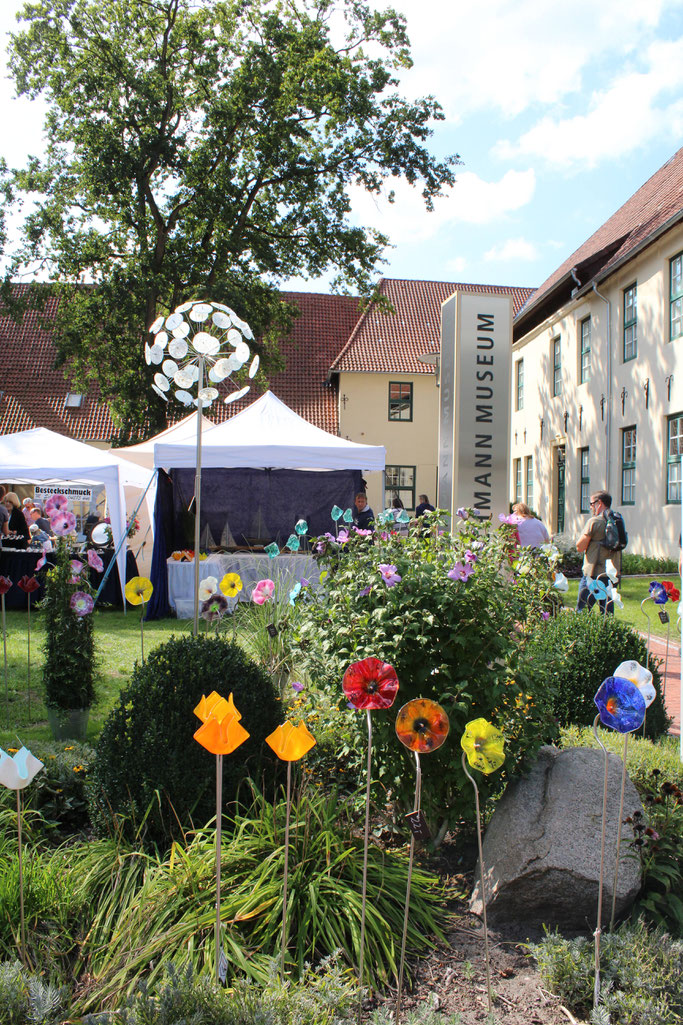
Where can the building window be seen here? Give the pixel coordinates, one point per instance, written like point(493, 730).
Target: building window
point(530, 481)
point(585, 350)
point(557, 367)
point(628, 466)
point(676, 296)
point(520, 384)
point(517, 479)
point(674, 450)
point(400, 400)
point(630, 323)
point(73, 400)
point(399, 482)
point(585, 493)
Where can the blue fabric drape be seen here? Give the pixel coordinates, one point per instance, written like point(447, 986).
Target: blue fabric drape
point(158, 606)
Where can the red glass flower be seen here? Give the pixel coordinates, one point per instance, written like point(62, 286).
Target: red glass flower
point(672, 592)
point(5, 584)
point(28, 584)
point(371, 684)
point(422, 725)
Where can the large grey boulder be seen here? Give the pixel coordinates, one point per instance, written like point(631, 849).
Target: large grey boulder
point(542, 846)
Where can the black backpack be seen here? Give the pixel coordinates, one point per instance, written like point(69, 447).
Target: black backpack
point(616, 537)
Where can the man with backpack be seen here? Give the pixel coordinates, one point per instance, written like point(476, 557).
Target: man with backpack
point(603, 537)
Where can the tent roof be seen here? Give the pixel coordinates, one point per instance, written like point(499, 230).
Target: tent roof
point(269, 434)
point(40, 454)
point(184, 430)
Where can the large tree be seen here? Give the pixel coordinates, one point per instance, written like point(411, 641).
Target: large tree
point(205, 148)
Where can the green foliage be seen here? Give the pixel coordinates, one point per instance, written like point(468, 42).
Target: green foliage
point(159, 186)
point(643, 756)
point(640, 969)
point(149, 911)
point(324, 995)
point(571, 560)
point(149, 772)
point(631, 563)
point(658, 843)
point(574, 652)
point(456, 642)
point(26, 999)
point(59, 793)
point(69, 667)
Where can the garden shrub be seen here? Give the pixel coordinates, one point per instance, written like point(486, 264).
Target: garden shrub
point(640, 971)
point(26, 999)
point(69, 667)
point(643, 757)
point(658, 843)
point(633, 564)
point(574, 652)
point(455, 641)
point(149, 771)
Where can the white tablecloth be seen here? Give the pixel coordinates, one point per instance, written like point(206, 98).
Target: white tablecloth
point(285, 570)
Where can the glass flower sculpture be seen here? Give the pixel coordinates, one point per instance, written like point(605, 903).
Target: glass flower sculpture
point(214, 608)
point(561, 583)
point(336, 513)
point(620, 704)
point(672, 593)
point(301, 527)
point(263, 591)
point(16, 772)
point(483, 744)
point(207, 587)
point(139, 590)
point(231, 585)
point(195, 331)
point(422, 725)
point(641, 676)
point(658, 593)
point(272, 550)
point(293, 543)
point(289, 742)
point(5, 584)
point(28, 584)
point(347, 516)
point(94, 561)
point(370, 684)
point(82, 603)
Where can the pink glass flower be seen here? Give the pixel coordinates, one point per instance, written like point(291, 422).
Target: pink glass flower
point(5, 584)
point(63, 523)
point(28, 584)
point(461, 571)
point(510, 519)
point(263, 592)
point(76, 566)
point(389, 574)
point(82, 603)
point(94, 561)
point(371, 684)
point(57, 503)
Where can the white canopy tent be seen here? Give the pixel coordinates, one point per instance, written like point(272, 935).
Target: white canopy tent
point(40, 455)
point(269, 434)
point(184, 431)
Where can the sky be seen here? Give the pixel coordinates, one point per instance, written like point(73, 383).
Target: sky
point(558, 113)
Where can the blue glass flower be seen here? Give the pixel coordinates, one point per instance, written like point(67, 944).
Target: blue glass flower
point(293, 594)
point(599, 589)
point(621, 705)
point(403, 517)
point(336, 513)
point(272, 550)
point(293, 543)
point(301, 527)
point(657, 593)
point(348, 516)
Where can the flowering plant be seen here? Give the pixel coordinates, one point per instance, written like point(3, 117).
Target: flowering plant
point(448, 612)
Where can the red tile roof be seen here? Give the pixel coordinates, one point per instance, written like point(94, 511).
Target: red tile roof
point(34, 391)
point(654, 208)
point(392, 342)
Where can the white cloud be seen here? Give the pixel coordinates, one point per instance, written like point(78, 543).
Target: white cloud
point(512, 250)
point(456, 266)
point(471, 201)
point(636, 108)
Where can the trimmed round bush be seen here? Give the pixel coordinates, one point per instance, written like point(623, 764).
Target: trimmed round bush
point(575, 652)
point(151, 777)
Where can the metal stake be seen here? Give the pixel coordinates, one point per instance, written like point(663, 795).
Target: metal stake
point(21, 883)
point(219, 825)
point(481, 883)
point(4, 645)
point(598, 929)
point(286, 872)
point(365, 864)
point(619, 822)
point(416, 807)
point(198, 496)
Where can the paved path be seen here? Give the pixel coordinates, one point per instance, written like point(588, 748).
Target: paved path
point(671, 683)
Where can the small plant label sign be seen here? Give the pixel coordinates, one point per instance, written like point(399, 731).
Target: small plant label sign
point(418, 825)
point(272, 630)
point(663, 616)
point(222, 967)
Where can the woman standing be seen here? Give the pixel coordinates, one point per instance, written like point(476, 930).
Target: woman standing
point(532, 533)
point(17, 522)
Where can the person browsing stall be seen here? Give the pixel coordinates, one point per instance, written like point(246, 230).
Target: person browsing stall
point(595, 554)
point(363, 516)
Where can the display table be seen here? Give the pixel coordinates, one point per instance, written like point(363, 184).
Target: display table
point(18, 563)
point(285, 571)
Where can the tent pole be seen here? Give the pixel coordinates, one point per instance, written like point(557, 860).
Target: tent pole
point(118, 549)
point(198, 496)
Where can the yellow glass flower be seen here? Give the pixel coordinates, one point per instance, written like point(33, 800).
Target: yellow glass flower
point(221, 738)
point(216, 706)
point(139, 589)
point(231, 584)
point(289, 742)
point(483, 745)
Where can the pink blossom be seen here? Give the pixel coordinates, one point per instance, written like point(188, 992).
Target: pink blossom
point(511, 519)
point(81, 603)
point(296, 686)
point(41, 562)
point(363, 533)
point(263, 592)
point(462, 513)
point(55, 504)
point(94, 561)
point(470, 556)
point(545, 615)
point(343, 536)
point(389, 574)
point(62, 522)
point(76, 566)
point(461, 571)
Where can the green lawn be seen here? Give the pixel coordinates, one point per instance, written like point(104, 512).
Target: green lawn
point(633, 590)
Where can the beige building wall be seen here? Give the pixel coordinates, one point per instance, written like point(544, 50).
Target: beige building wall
point(364, 417)
point(594, 414)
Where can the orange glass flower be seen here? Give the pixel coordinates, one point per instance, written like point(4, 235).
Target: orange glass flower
point(216, 706)
point(221, 738)
point(289, 742)
point(422, 725)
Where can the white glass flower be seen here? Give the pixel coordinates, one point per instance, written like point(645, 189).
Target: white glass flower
point(611, 571)
point(196, 331)
point(561, 582)
point(17, 771)
point(207, 587)
point(642, 677)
